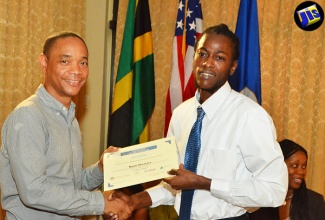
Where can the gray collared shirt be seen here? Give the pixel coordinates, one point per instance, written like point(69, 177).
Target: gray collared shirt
point(41, 157)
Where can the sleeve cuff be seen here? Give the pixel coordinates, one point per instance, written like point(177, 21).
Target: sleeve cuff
point(162, 194)
point(220, 188)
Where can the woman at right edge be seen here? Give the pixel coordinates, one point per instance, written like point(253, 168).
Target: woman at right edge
point(301, 203)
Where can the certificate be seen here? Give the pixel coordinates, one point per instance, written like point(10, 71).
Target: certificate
point(140, 163)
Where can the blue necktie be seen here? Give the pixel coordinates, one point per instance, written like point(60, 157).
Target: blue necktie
point(190, 163)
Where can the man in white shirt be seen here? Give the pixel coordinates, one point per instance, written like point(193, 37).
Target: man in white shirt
point(240, 163)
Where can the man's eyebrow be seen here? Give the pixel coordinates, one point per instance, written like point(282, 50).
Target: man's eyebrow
point(68, 56)
point(215, 51)
point(65, 55)
point(220, 51)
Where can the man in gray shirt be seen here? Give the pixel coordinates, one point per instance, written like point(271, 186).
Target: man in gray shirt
point(41, 172)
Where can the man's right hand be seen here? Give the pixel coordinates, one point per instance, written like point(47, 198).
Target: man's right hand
point(135, 201)
point(117, 208)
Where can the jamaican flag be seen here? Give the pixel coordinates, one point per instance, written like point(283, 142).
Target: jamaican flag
point(134, 92)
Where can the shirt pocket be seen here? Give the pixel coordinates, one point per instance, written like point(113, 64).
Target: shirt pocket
point(220, 163)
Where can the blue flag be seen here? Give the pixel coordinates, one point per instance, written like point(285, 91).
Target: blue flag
point(247, 77)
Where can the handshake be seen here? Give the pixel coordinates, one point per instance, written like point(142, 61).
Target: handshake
point(119, 206)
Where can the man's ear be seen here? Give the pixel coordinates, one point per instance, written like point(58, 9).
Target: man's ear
point(43, 62)
point(233, 67)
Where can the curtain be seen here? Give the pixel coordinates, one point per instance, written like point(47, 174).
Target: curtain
point(292, 70)
point(24, 27)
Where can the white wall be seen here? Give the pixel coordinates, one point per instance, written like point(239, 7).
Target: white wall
point(98, 39)
point(94, 123)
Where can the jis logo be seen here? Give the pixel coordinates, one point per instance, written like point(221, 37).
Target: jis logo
point(309, 15)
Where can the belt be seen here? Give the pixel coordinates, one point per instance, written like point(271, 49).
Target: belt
point(242, 217)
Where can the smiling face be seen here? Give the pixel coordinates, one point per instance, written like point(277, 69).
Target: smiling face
point(65, 68)
point(213, 63)
point(297, 169)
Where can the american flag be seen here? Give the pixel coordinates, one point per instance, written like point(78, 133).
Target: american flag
point(188, 29)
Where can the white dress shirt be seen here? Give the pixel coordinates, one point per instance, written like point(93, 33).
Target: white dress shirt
point(239, 153)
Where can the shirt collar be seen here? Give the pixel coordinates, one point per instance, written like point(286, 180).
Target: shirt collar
point(54, 104)
point(214, 102)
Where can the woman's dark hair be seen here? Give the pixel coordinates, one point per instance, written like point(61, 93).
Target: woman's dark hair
point(49, 43)
point(299, 204)
point(223, 30)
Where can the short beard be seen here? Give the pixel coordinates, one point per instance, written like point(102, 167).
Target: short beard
point(211, 91)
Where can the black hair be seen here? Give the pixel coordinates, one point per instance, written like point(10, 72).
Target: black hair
point(299, 204)
point(223, 30)
point(289, 147)
point(49, 43)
